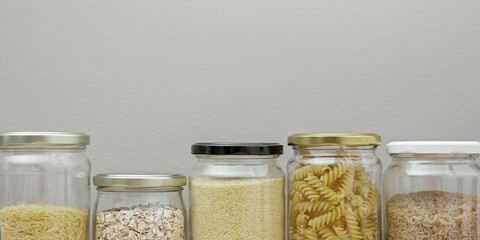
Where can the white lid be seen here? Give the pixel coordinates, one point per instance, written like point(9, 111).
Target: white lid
point(469, 147)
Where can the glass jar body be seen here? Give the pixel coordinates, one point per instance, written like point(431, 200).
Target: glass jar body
point(44, 183)
point(139, 213)
point(237, 195)
point(334, 191)
point(441, 189)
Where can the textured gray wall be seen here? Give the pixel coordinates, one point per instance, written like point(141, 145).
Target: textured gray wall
point(148, 78)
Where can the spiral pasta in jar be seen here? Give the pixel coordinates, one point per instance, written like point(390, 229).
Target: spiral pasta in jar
point(334, 182)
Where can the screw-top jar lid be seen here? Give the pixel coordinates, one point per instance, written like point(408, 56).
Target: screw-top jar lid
point(49, 138)
point(434, 147)
point(140, 180)
point(237, 148)
point(326, 139)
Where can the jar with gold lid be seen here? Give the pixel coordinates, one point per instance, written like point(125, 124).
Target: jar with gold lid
point(334, 184)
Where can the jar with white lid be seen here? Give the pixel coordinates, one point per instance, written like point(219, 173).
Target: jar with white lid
point(334, 186)
point(237, 192)
point(44, 185)
point(431, 190)
point(139, 206)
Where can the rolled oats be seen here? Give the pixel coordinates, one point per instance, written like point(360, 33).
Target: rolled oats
point(150, 221)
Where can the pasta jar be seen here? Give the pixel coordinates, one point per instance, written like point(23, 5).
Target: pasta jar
point(139, 206)
point(237, 192)
point(431, 190)
point(44, 185)
point(334, 181)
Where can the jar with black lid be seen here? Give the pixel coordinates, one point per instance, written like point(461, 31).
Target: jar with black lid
point(237, 191)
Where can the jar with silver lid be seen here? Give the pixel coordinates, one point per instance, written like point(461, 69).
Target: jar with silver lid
point(139, 206)
point(44, 185)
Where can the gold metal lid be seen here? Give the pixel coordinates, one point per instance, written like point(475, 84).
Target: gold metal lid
point(48, 138)
point(325, 139)
point(139, 180)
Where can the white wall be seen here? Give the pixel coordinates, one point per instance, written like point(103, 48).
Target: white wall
point(148, 78)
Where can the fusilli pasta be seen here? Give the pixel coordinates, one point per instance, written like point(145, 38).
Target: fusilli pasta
point(334, 201)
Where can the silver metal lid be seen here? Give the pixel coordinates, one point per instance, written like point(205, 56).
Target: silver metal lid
point(49, 138)
point(139, 180)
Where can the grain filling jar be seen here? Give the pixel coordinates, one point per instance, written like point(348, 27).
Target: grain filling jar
point(44, 185)
point(139, 206)
point(431, 190)
point(237, 192)
point(334, 182)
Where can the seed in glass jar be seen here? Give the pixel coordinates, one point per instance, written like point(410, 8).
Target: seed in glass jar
point(429, 215)
point(151, 221)
point(42, 221)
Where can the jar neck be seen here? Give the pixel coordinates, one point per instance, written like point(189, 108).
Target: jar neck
point(46, 147)
point(235, 158)
point(444, 157)
point(137, 189)
point(334, 149)
point(333, 153)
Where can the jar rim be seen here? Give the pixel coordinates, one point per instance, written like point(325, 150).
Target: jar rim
point(139, 180)
point(326, 139)
point(236, 148)
point(433, 147)
point(139, 189)
point(43, 138)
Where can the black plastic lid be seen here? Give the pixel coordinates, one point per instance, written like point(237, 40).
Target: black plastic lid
point(237, 148)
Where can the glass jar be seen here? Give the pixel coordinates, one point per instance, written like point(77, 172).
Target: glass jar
point(237, 192)
point(431, 190)
point(334, 181)
point(44, 185)
point(139, 206)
